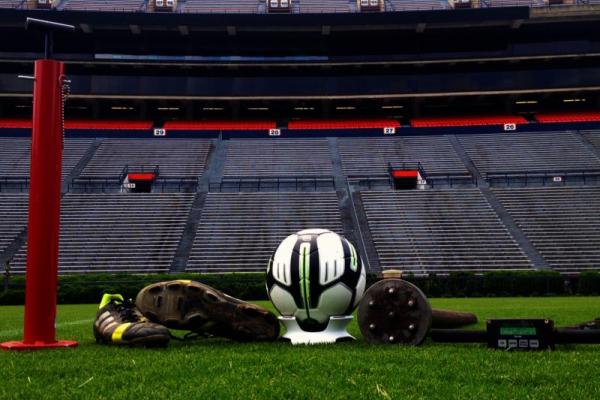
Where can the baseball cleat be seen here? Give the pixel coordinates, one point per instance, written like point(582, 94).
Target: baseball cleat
point(193, 306)
point(119, 322)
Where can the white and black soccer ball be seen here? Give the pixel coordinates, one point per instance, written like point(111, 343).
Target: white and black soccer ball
point(315, 274)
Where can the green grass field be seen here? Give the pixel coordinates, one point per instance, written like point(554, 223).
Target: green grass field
point(219, 369)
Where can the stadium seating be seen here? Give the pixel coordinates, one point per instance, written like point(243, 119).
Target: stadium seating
point(568, 117)
point(343, 124)
point(512, 3)
point(466, 121)
point(320, 6)
point(15, 123)
point(278, 157)
point(13, 218)
point(439, 231)
point(221, 6)
point(177, 158)
point(562, 223)
point(105, 5)
point(108, 125)
point(219, 125)
point(15, 156)
point(370, 156)
point(409, 5)
point(560, 151)
point(594, 138)
point(10, 3)
point(118, 232)
point(238, 232)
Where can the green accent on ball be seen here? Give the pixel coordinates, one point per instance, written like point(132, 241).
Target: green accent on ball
point(353, 258)
point(304, 275)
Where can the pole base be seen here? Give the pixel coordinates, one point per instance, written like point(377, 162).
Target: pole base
point(335, 331)
point(22, 346)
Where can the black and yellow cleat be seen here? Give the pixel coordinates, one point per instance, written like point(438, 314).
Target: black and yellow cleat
point(190, 305)
point(119, 322)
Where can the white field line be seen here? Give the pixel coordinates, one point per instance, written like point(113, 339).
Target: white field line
point(12, 332)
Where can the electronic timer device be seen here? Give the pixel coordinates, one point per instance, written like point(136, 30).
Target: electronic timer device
point(519, 334)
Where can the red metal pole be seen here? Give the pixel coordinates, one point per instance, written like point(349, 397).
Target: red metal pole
point(44, 211)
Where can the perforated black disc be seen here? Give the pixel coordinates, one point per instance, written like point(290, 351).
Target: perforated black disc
point(394, 311)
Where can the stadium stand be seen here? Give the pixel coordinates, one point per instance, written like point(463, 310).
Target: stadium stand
point(105, 5)
point(15, 123)
point(10, 3)
point(219, 125)
point(176, 158)
point(221, 6)
point(238, 232)
point(409, 5)
point(107, 125)
point(466, 121)
point(370, 156)
point(320, 6)
point(13, 217)
point(590, 116)
point(594, 138)
point(118, 232)
point(554, 151)
point(439, 231)
point(343, 124)
point(513, 3)
point(562, 223)
point(278, 157)
point(15, 156)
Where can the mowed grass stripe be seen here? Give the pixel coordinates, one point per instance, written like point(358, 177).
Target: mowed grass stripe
point(219, 369)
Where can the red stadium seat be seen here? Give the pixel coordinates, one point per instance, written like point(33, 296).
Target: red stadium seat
point(344, 124)
point(582, 116)
point(219, 125)
point(467, 121)
point(15, 123)
point(108, 124)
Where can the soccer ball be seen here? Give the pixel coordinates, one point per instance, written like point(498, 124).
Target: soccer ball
point(313, 275)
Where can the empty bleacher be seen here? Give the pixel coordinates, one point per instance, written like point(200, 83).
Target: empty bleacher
point(410, 5)
point(13, 217)
point(219, 125)
point(594, 139)
point(467, 121)
point(529, 152)
point(278, 157)
point(513, 3)
point(336, 124)
point(177, 158)
point(105, 5)
point(118, 232)
point(439, 231)
point(15, 156)
point(558, 117)
point(370, 156)
point(10, 3)
point(240, 231)
point(320, 6)
point(562, 223)
point(221, 6)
